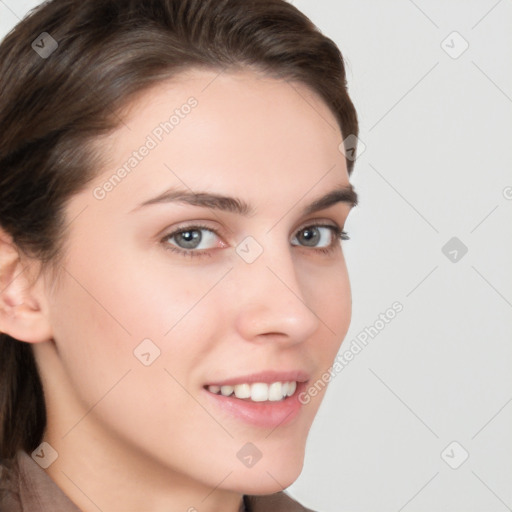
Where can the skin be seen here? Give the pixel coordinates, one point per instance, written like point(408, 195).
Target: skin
point(133, 437)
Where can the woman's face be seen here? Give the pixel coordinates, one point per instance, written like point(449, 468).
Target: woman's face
point(165, 295)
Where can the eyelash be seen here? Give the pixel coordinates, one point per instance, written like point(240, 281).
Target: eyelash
point(339, 234)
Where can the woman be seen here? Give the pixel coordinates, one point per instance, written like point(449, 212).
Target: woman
point(173, 193)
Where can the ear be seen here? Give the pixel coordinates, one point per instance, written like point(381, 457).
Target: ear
point(23, 312)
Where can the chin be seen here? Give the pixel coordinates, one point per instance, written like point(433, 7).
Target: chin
point(269, 478)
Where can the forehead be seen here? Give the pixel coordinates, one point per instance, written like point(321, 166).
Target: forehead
point(240, 132)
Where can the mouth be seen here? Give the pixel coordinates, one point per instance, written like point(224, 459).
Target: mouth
point(257, 392)
point(267, 399)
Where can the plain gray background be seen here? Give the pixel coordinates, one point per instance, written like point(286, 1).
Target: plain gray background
point(421, 418)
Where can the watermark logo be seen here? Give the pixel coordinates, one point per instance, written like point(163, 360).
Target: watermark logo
point(249, 455)
point(44, 45)
point(146, 352)
point(454, 45)
point(45, 455)
point(352, 147)
point(455, 455)
point(454, 249)
point(249, 249)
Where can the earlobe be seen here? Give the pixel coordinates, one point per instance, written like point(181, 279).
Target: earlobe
point(22, 315)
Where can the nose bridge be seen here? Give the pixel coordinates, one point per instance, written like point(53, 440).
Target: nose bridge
point(269, 296)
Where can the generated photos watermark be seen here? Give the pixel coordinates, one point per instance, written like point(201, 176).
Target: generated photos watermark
point(157, 135)
point(357, 345)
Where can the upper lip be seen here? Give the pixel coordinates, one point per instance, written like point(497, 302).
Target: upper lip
point(267, 377)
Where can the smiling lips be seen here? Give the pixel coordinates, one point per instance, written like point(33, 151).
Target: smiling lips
point(265, 399)
point(257, 391)
point(268, 386)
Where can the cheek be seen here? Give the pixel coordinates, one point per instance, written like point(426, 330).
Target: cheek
point(114, 312)
point(331, 300)
point(130, 347)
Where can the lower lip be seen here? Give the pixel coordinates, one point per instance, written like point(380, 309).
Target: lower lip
point(261, 414)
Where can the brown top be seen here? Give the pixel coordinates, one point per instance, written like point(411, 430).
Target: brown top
point(25, 487)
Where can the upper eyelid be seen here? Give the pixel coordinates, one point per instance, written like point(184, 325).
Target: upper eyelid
point(200, 225)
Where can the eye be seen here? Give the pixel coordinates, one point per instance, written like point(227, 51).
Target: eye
point(324, 237)
point(191, 240)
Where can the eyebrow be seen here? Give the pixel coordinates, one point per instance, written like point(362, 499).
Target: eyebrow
point(342, 194)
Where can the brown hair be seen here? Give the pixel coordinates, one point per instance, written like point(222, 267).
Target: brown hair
point(54, 105)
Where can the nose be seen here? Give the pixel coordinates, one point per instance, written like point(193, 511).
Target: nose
point(270, 304)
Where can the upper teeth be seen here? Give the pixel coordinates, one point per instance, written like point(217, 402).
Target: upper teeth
point(259, 391)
